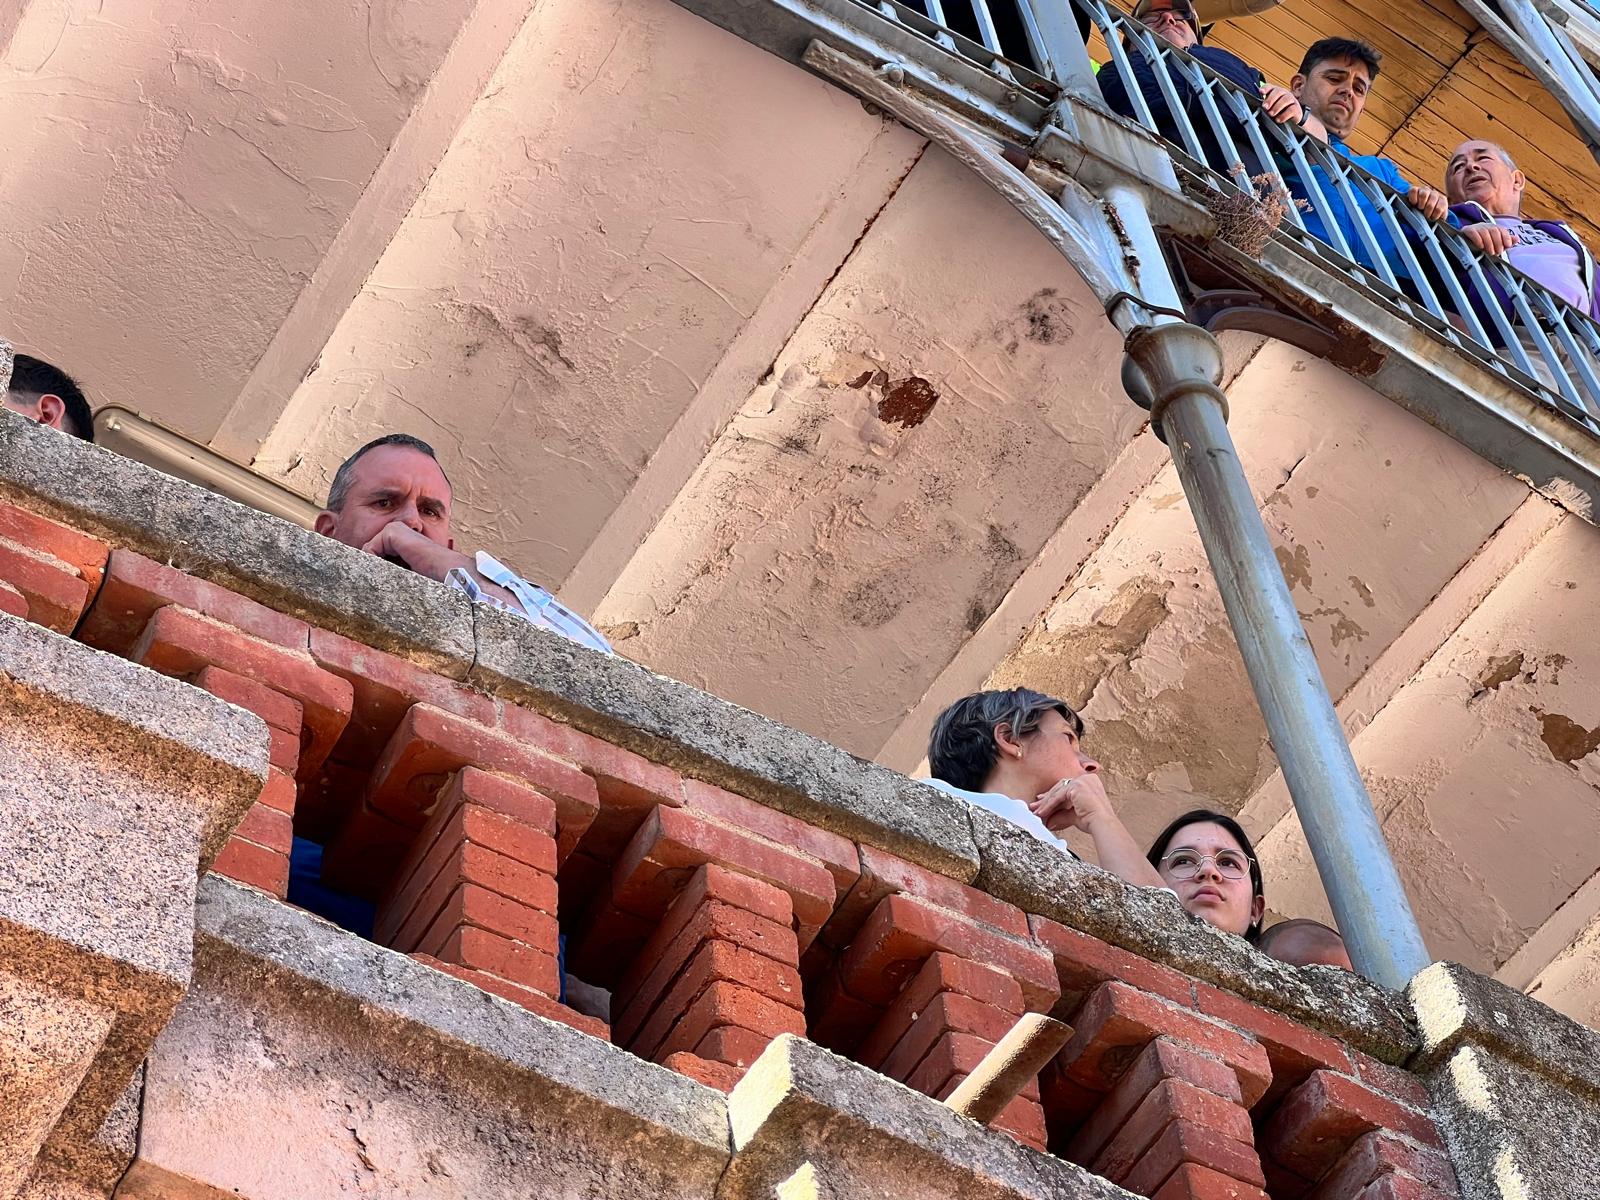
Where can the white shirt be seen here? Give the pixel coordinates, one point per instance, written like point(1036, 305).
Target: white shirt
point(534, 604)
point(1009, 807)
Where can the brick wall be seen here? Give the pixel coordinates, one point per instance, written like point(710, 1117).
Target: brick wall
point(501, 846)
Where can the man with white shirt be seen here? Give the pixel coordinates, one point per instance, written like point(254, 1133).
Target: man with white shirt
point(1485, 191)
point(1019, 754)
point(391, 498)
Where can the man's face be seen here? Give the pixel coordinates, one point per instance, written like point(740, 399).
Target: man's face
point(392, 483)
point(1171, 24)
point(1477, 172)
point(47, 410)
point(1335, 93)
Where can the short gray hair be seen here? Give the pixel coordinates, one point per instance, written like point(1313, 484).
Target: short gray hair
point(344, 477)
point(961, 747)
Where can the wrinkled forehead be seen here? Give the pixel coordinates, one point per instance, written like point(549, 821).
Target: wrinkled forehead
point(402, 469)
point(1474, 150)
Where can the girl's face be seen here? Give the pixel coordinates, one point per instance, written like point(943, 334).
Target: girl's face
point(1207, 854)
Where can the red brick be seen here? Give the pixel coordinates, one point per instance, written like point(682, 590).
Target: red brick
point(1183, 1142)
point(655, 968)
point(279, 794)
point(728, 1004)
point(714, 962)
point(1023, 1119)
point(78, 550)
point(1164, 1058)
point(884, 874)
point(1084, 962)
point(430, 744)
point(673, 842)
point(276, 709)
point(1117, 1021)
point(1170, 1100)
point(255, 865)
point(732, 1045)
point(949, 1013)
point(283, 749)
point(713, 1074)
point(1380, 1153)
point(516, 961)
point(55, 592)
point(12, 601)
point(136, 587)
point(952, 1059)
point(483, 909)
point(1317, 1122)
point(1194, 1182)
point(499, 794)
point(1398, 1187)
point(1391, 1081)
point(941, 973)
point(529, 999)
point(452, 860)
point(1293, 1049)
point(267, 828)
point(384, 688)
point(839, 855)
point(711, 961)
point(903, 930)
point(182, 643)
point(630, 786)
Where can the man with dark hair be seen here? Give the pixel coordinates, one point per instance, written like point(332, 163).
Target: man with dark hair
point(1302, 942)
point(1176, 23)
point(1018, 753)
point(1333, 81)
point(391, 498)
point(50, 396)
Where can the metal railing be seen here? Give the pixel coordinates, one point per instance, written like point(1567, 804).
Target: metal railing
point(1427, 270)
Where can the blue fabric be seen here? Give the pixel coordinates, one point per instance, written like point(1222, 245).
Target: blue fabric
point(1374, 164)
point(308, 891)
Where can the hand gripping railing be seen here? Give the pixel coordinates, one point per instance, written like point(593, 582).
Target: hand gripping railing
point(1428, 270)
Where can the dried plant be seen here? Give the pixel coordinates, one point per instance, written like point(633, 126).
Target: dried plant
point(1247, 219)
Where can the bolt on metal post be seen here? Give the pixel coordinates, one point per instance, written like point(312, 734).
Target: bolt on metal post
point(1177, 367)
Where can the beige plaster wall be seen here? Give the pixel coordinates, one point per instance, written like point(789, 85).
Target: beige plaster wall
point(176, 169)
point(915, 444)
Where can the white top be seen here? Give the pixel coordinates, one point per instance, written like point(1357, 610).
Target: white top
point(534, 604)
point(1010, 808)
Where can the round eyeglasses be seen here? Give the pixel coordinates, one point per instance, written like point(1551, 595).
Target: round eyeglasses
point(1184, 864)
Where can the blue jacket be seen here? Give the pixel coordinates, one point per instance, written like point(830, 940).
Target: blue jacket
point(1375, 164)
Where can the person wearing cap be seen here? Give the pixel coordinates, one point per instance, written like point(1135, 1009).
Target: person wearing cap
point(1176, 23)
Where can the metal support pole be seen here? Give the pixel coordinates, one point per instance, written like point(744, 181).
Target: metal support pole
point(1180, 366)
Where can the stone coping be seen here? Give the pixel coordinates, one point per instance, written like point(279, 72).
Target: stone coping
point(227, 745)
point(334, 586)
point(237, 921)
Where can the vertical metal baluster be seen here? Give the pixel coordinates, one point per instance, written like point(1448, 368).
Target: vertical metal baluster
point(1563, 320)
point(1512, 348)
point(1431, 236)
point(986, 30)
point(1234, 168)
point(1298, 143)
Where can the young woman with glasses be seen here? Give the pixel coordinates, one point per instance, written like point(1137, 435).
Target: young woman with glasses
point(1207, 859)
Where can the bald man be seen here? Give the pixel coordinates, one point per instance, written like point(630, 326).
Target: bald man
point(1302, 942)
point(1485, 189)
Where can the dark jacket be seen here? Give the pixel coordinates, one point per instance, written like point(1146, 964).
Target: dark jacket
point(1114, 89)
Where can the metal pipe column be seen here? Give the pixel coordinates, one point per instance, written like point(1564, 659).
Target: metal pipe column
point(1182, 365)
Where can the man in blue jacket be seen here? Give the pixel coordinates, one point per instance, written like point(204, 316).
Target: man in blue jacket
point(1177, 24)
point(1333, 81)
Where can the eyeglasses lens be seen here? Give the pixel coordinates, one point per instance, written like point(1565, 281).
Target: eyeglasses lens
point(1184, 864)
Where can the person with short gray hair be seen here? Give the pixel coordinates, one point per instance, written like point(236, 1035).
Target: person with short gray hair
point(1018, 753)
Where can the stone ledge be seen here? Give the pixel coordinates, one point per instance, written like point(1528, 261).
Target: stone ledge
point(255, 935)
point(1456, 1007)
point(230, 742)
point(864, 1135)
point(1020, 869)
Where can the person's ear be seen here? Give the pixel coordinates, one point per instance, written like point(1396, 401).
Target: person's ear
point(52, 410)
point(1258, 906)
point(325, 523)
point(1010, 746)
point(1296, 83)
point(1518, 182)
